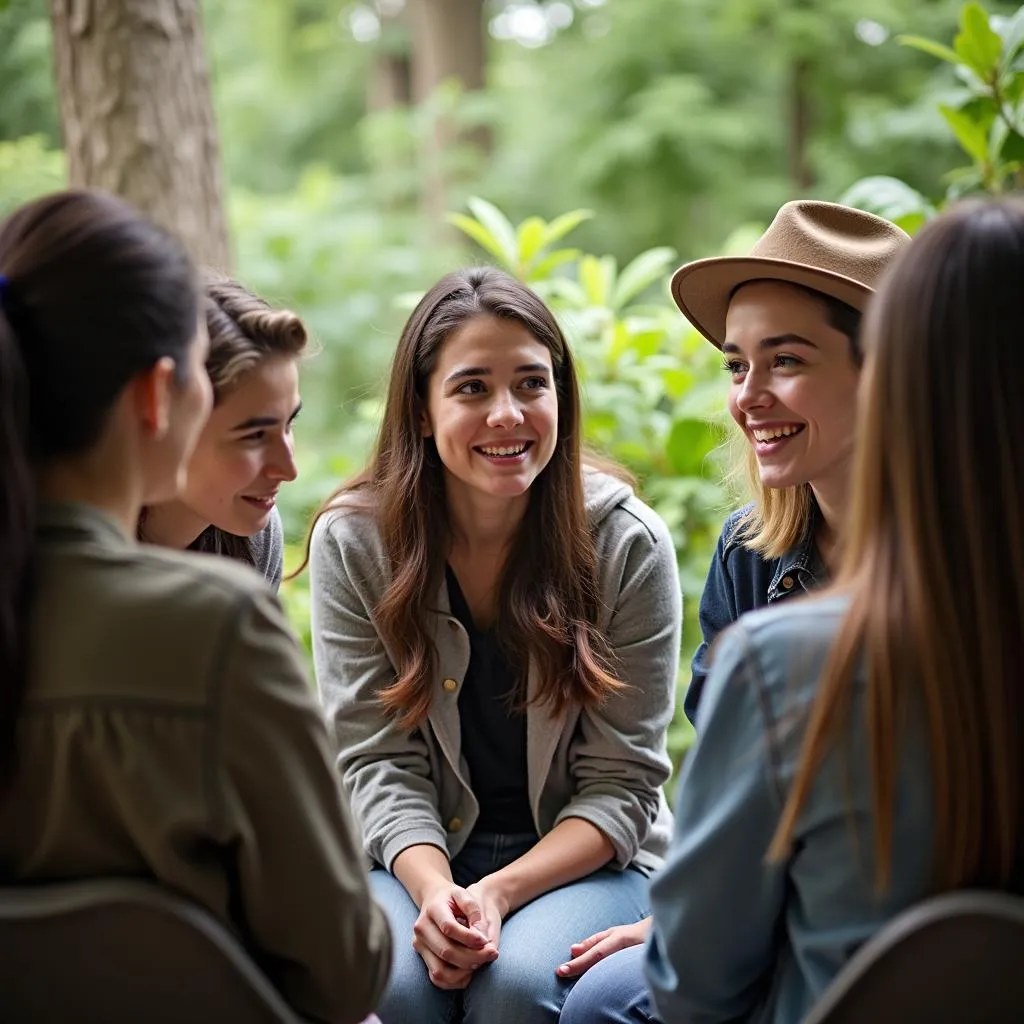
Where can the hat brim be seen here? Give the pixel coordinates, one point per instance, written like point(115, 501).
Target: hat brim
point(702, 289)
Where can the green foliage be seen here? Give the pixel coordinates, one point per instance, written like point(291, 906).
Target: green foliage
point(984, 113)
point(28, 168)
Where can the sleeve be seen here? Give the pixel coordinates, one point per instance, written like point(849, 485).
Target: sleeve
point(386, 771)
point(302, 885)
point(268, 550)
point(717, 611)
point(717, 903)
point(619, 758)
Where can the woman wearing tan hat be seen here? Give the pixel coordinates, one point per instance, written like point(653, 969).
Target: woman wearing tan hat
point(787, 320)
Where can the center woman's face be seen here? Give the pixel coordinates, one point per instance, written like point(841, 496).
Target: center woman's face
point(794, 384)
point(492, 409)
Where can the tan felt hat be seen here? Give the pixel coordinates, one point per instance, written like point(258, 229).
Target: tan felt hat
point(830, 248)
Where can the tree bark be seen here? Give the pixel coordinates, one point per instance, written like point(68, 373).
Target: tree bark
point(449, 41)
point(801, 176)
point(137, 114)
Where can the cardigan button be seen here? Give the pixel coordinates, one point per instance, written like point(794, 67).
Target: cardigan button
point(454, 825)
point(450, 685)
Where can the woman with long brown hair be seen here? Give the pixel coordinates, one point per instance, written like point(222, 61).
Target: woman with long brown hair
point(496, 633)
point(245, 451)
point(865, 749)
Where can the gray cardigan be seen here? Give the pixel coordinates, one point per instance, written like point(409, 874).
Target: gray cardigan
point(606, 766)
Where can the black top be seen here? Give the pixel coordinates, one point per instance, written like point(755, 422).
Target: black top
point(493, 728)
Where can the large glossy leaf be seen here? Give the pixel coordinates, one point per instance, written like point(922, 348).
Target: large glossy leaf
point(977, 44)
point(499, 227)
point(567, 222)
point(689, 444)
point(890, 198)
point(969, 133)
point(476, 231)
point(641, 273)
point(930, 47)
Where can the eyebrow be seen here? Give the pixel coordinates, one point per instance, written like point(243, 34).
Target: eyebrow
point(483, 371)
point(265, 421)
point(776, 341)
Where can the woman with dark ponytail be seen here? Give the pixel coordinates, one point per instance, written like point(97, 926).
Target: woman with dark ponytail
point(155, 718)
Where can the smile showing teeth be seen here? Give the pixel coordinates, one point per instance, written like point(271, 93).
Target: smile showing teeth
point(774, 433)
point(517, 449)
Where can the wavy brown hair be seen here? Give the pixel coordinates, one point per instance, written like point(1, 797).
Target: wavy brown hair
point(934, 563)
point(549, 593)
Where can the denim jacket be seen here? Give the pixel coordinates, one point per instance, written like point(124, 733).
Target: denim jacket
point(740, 580)
point(737, 938)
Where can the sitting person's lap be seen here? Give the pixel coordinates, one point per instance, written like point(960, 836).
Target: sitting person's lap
point(521, 985)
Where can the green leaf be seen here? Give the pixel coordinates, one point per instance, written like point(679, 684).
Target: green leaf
point(596, 276)
point(1012, 149)
point(641, 273)
point(690, 442)
point(543, 270)
point(930, 47)
point(561, 226)
point(890, 198)
point(476, 231)
point(1012, 32)
point(530, 239)
point(499, 227)
point(977, 44)
point(971, 135)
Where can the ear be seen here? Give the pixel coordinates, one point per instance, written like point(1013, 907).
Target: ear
point(426, 429)
point(153, 396)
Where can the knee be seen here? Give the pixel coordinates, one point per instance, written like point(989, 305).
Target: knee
point(514, 989)
point(613, 991)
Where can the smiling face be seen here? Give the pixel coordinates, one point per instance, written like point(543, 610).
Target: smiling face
point(794, 385)
point(492, 408)
point(246, 450)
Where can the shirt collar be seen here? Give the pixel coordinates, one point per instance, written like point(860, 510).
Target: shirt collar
point(801, 567)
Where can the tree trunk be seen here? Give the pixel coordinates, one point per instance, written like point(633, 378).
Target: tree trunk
point(801, 176)
point(137, 116)
point(448, 42)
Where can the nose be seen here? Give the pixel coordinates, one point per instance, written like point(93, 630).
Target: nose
point(753, 393)
point(504, 411)
point(281, 468)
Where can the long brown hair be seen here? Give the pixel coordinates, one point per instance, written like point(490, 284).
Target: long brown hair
point(549, 593)
point(934, 563)
point(91, 295)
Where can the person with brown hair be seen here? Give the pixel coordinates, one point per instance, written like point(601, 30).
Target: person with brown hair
point(862, 750)
point(787, 320)
point(496, 629)
point(245, 451)
point(156, 721)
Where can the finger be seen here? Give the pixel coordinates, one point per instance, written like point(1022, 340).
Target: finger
point(443, 975)
point(444, 919)
point(582, 946)
point(466, 906)
point(579, 964)
point(428, 938)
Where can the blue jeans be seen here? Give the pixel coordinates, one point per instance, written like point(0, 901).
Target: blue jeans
point(521, 986)
point(613, 991)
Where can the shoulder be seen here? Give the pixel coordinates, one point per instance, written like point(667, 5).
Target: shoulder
point(730, 540)
point(616, 513)
point(268, 549)
point(346, 545)
point(782, 650)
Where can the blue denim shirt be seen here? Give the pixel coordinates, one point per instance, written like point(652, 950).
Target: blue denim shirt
point(740, 580)
point(736, 938)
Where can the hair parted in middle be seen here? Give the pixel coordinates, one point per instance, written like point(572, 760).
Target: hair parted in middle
point(549, 593)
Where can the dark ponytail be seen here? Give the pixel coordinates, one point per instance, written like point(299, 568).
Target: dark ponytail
point(17, 526)
point(91, 295)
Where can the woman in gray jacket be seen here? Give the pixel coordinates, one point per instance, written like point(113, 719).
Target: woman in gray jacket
point(496, 632)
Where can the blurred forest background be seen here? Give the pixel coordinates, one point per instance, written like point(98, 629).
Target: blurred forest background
point(353, 152)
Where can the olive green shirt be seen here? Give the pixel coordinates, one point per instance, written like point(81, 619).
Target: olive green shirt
point(169, 734)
